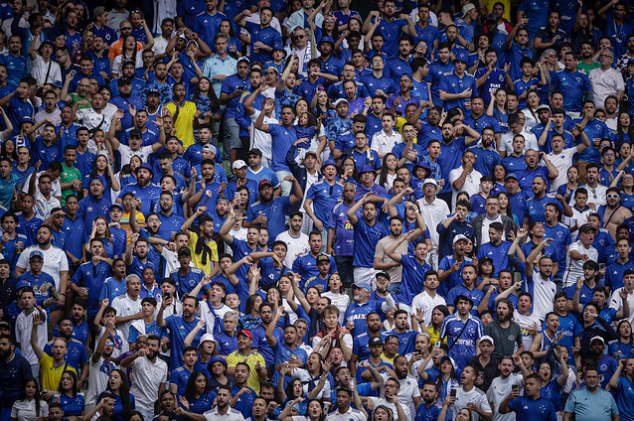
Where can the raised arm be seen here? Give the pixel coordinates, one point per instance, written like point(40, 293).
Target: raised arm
point(37, 320)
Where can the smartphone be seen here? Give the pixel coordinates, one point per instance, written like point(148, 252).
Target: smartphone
point(167, 296)
point(525, 15)
point(418, 351)
point(452, 393)
point(515, 387)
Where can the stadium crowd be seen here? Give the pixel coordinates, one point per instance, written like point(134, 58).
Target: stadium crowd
point(306, 210)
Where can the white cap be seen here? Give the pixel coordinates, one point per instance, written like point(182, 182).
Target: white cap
point(339, 101)
point(430, 181)
point(237, 164)
point(595, 338)
point(458, 238)
point(207, 337)
point(487, 338)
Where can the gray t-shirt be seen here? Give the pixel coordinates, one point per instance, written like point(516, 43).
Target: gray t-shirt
point(505, 339)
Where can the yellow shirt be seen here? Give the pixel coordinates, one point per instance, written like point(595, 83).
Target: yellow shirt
point(197, 259)
point(184, 124)
point(400, 122)
point(51, 376)
point(252, 359)
point(125, 224)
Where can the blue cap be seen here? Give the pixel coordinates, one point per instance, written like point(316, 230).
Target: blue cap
point(22, 284)
point(329, 162)
point(217, 359)
point(26, 119)
point(461, 55)
point(367, 168)
point(147, 167)
point(362, 285)
point(422, 164)
point(511, 175)
point(36, 253)
point(327, 38)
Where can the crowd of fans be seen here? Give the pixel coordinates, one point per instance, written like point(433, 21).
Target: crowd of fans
point(306, 210)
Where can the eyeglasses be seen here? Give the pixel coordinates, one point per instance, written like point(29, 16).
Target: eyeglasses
point(295, 37)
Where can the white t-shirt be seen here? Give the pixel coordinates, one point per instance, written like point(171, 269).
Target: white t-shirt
point(23, 328)
point(528, 324)
point(147, 376)
point(98, 380)
point(262, 140)
point(499, 390)
point(350, 415)
point(486, 222)
point(408, 391)
point(126, 306)
point(617, 303)
point(476, 396)
point(56, 187)
point(55, 261)
point(296, 246)
point(562, 162)
point(574, 268)
point(543, 295)
point(24, 410)
point(127, 153)
point(381, 401)
point(471, 184)
point(426, 303)
point(39, 71)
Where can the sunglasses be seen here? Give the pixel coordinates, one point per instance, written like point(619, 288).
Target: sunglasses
point(612, 196)
point(126, 28)
point(295, 37)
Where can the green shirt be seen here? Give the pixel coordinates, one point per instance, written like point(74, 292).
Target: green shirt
point(68, 175)
point(75, 98)
point(585, 68)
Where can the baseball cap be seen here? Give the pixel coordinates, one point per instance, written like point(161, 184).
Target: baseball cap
point(467, 8)
point(36, 253)
point(245, 333)
point(22, 284)
point(461, 55)
point(375, 340)
point(329, 162)
point(430, 181)
point(184, 251)
point(116, 205)
point(153, 91)
point(26, 119)
point(264, 183)
point(597, 338)
point(543, 107)
point(216, 359)
point(362, 285)
point(487, 338)
point(322, 258)
point(511, 175)
point(123, 80)
point(211, 148)
point(98, 11)
point(313, 153)
point(238, 164)
point(339, 101)
point(460, 237)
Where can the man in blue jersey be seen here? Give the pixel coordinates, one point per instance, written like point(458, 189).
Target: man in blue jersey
point(462, 331)
point(414, 268)
point(269, 211)
point(362, 342)
point(180, 327)
point(573, 84)
point(341, 234)
point(367, 233)
point(531, 406)
point(358, 312)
